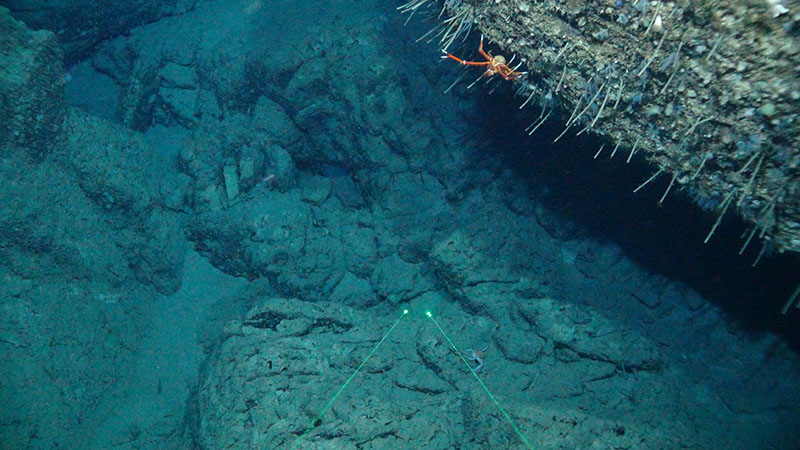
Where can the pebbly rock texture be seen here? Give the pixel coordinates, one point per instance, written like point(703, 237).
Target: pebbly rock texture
point(129, 183)
point(31, 88)
point(581, 378)
point(269, 154)
point(278, 237)
point(81, 25)
point(75, 166)
point(277, 367)
point(64, 361)
point(125, 229)
point(704, 90)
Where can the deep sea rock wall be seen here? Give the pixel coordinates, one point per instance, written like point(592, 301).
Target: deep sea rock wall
point(32, 87)
point(704, 90)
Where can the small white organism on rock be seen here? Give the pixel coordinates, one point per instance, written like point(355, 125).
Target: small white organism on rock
point(776, 8)
point(658, 26)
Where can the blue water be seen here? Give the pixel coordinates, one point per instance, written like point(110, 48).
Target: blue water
point(265, 224)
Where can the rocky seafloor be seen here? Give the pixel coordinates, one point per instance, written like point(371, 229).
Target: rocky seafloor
point(212, 214)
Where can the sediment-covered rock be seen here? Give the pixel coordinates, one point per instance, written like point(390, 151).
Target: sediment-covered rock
point(82, 24)
point(32, 103)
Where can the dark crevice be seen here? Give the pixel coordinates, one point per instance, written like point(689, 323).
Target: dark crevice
point(667, 238)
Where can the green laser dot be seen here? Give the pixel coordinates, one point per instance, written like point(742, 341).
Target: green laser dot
point(318, 420)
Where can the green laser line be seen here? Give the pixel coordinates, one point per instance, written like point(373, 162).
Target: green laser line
point(328, 405)
point(494, 399)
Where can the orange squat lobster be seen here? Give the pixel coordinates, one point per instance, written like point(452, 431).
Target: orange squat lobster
point(494, 64)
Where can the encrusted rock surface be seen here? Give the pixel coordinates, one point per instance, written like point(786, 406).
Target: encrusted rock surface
point(704, 90)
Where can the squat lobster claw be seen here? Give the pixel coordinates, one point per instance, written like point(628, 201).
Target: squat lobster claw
point(494, 64)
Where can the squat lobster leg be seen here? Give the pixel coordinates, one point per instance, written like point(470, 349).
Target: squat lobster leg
point(466, 63)
point(489, 57)
point(486, 55)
